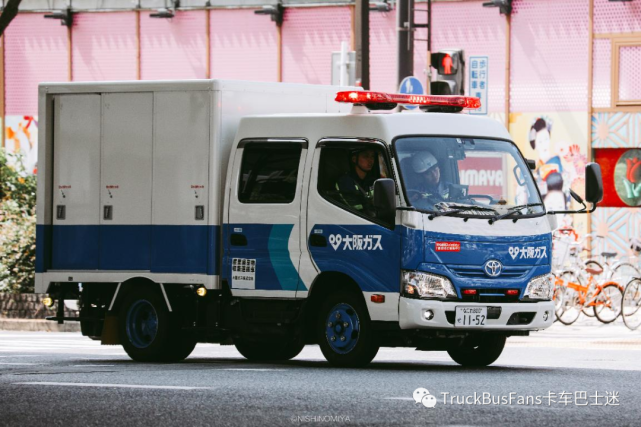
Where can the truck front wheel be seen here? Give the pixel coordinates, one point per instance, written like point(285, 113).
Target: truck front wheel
point(478, 351)
point(345, 331)
point(149, 332)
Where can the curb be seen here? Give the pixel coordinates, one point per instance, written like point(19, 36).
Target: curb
point(41, 325)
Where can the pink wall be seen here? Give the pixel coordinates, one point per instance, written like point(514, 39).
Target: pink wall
point(174, 48)
point(104, 46)
point(310, 35)
point(243, 45)
point(617, 17)
point(601, 78)
point(383, 51)
point(479, 30)
point(549, 55)
point(35, 51)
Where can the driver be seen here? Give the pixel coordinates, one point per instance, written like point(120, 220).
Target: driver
point(425, 164)
point(356, 187)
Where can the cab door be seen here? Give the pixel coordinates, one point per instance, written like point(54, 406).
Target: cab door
point(263, 230)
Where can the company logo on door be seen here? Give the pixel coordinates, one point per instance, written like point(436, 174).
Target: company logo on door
point(356, 242)
point(447, 246)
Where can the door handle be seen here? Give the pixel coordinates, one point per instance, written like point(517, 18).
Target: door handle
point(238, 240)
point(317, 240)
point(108, 212)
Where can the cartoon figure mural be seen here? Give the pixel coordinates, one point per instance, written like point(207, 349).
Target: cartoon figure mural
point(21, 139)
point(552, 141)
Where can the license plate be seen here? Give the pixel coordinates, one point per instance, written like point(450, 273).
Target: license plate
point(470, 317)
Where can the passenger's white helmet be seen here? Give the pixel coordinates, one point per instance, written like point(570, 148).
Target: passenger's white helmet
point(423, 161)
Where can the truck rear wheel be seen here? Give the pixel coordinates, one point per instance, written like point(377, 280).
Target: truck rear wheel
point(345, 331)
point(148, 331)
point(481, 351)
point(272, 352)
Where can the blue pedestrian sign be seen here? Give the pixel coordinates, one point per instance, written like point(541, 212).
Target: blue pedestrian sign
point(411, 86)
point(479, 67)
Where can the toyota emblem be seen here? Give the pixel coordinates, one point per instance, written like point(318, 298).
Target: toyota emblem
point(493, 268)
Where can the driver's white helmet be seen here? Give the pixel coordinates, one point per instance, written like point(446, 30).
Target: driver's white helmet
point(423, 161)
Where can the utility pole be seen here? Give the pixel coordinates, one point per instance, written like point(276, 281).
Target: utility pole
point(362, 42)
point(405, 28)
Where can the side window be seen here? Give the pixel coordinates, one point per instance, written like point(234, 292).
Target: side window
point(269, 173)
point(346, 176)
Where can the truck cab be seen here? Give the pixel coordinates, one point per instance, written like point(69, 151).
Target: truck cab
point(353, 231)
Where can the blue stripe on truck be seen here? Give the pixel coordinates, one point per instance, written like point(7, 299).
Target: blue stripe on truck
point(156, 248)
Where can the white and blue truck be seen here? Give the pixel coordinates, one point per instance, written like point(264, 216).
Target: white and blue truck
point(271, 216)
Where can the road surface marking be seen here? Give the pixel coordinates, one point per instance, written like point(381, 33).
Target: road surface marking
point(160, 387)
point(23, 363)
point(250, 369)
point(82, 366)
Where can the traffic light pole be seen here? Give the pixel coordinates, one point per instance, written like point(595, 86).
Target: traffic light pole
point(405, 26)
point(362, 42)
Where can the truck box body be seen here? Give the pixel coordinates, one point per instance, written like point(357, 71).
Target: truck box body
point(131, 174)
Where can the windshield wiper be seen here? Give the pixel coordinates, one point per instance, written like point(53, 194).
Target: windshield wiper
point(457, 209)
point(513, 210)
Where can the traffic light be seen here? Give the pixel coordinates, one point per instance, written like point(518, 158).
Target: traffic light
point(450, 72)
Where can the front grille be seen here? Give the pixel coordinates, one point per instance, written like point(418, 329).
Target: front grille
point(476, 271)
point(489, 295)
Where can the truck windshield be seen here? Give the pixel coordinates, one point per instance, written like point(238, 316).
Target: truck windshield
point(466, 177)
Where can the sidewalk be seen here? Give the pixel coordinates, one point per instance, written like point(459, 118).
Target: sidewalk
point(37, 325)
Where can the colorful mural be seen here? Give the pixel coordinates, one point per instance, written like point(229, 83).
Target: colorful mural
point(557, 143)
point(21, 139)
point(614, 137)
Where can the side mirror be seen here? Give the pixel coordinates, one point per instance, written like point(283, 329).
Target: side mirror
point(385, 199)
point(593, 183)
point(531, 164)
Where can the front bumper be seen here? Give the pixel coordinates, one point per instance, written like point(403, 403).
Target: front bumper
point(522, 316)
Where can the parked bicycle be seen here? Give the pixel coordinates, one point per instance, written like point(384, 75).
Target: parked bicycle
point(590, 286)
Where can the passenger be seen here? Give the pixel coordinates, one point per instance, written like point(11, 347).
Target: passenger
point(356, 187)
point(426, 164)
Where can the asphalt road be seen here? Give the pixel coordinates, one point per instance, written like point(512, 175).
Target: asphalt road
point(567, 373)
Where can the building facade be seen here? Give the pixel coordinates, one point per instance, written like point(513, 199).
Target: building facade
point(562, 75)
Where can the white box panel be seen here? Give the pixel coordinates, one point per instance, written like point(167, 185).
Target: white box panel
point(127, 127)
point(181, 157)
point(76, 160)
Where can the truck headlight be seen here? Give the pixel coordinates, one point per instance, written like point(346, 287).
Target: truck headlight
point(541, 287)
point(416, 284)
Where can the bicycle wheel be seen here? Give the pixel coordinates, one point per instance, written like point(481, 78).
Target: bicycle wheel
point(589, 311)
point(624, 272)
point(558, 300)
point(631, 305)
point(609, 299)
point(571, 305)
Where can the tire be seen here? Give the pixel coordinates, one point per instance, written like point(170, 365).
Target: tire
point(571, 300)
point(631, 305)
point(589, 311)
point(350, 342)
point(264, 352)
point(149, 332)
point(609, 302)
point(478, 352)
point(624, 272)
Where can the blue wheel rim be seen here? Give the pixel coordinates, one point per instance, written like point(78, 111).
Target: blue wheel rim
point(342, 328)
point(142, 324)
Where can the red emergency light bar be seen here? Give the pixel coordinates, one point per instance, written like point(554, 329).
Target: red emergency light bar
point(383, 101)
